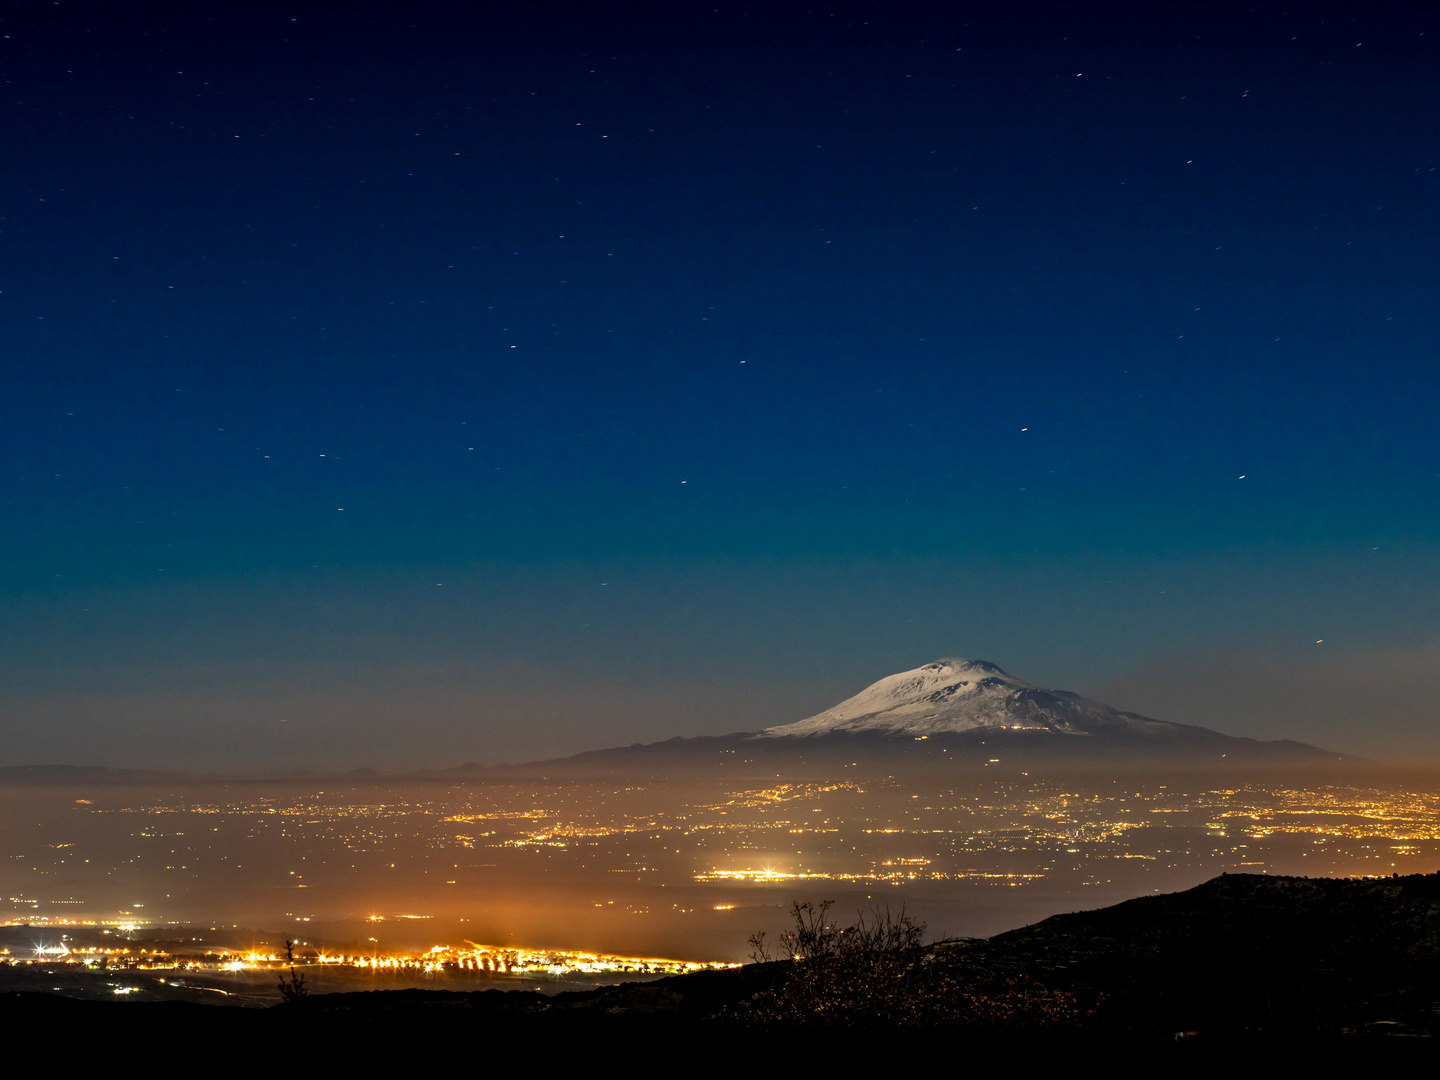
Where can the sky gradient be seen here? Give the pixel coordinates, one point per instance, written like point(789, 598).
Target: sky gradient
point(392, 386)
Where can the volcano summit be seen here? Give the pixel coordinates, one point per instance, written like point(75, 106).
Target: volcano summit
point(962, 696)
point(975, 702)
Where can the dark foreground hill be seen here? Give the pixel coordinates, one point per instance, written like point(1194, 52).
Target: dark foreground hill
point(1241, 952)
point(1243, 960)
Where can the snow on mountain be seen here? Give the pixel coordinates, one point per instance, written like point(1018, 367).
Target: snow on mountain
point(973, 695)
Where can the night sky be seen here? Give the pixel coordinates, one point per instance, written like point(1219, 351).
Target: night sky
point(392, 386)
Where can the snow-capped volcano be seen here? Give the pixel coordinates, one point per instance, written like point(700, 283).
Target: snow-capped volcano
point(954, 696)
point(951, 715)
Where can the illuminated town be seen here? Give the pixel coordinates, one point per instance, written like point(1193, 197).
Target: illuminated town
point(429, 848)
point(479, 960)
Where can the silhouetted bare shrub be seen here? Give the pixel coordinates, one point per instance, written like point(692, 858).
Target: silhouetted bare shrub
point(876, 972)
point(292, 989)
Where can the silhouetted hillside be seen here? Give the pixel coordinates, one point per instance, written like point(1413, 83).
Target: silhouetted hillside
point(1242, 959)
point(1240, 952)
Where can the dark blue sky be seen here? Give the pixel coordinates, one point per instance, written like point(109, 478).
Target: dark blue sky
point(445, 386)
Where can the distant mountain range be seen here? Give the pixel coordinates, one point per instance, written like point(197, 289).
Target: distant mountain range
point(79, 774)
